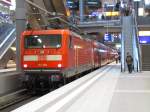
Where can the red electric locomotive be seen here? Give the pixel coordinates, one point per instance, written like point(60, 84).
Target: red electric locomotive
point(49, 56)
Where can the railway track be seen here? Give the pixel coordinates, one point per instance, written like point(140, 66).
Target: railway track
point(13, 98)
point(17, 97)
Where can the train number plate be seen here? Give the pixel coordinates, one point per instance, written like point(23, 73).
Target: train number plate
point(42, 57)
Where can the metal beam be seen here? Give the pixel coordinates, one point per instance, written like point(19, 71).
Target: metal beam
point(47, 12)
point(60, 6)
point(81, 7)
point(100, 29)
point(41, 4)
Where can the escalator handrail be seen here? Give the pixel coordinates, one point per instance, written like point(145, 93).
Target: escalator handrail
point(6, 27)
point(13, 30)
point(1, 55)
point(137, 39)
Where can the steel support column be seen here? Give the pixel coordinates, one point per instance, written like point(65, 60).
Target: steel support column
point(20, 27)
point(81, 7)
point(136, 6)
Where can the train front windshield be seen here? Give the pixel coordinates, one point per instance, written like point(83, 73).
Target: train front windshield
point(43, 41)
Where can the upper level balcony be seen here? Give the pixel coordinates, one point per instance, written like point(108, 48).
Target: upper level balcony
point(113, 24)
point(100, 24)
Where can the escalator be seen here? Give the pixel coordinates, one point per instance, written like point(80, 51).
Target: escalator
point(7, 38)
point(130, 42)
point(126, 39)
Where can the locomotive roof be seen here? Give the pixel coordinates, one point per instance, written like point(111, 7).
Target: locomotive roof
point(50, 31)
point(53, 31)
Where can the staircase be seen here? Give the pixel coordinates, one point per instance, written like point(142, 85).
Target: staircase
point(145, 57)
point(130, 42)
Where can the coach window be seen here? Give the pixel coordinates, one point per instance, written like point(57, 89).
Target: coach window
point(70, 42)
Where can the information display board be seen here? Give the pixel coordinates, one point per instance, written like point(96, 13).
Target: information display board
point(144, 39)
point(112, 37)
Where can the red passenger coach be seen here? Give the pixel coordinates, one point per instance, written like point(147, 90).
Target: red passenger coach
point(49, 56)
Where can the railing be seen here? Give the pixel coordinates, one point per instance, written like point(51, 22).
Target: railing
point(93, 19)
point(138, 61)
point(143, 20)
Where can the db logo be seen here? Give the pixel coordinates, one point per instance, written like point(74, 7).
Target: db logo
point(41, 51)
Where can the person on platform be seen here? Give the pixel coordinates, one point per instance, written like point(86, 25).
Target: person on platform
point(116, 58)
point(129, 61)
point(119, 57)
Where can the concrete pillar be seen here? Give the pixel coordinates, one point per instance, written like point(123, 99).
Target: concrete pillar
point(81, 7)
point(20, 27)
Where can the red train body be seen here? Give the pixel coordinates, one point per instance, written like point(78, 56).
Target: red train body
point(59, 54)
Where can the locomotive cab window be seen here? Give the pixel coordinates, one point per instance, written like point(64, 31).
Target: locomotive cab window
point(43, 41)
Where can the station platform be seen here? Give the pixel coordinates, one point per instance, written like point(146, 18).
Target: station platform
point(104, 90)
point(7, 70)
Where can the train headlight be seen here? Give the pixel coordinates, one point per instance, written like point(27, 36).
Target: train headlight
point(59, 65)
point(25, 65)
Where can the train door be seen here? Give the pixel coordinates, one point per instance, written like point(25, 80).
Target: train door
point(71, 53)
point(76, 56)
point(76, 53)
